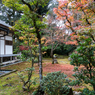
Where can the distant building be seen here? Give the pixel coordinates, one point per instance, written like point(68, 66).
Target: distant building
point(6, 42)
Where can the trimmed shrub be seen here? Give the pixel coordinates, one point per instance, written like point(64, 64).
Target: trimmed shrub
point(55, 83)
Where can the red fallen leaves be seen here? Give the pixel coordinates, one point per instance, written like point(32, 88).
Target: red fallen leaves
point(66, 68)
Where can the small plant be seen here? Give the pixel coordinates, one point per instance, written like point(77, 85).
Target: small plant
point(27, 82)
point(55, 83)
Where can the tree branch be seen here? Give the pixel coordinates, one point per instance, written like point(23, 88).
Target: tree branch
point(27, 5)
point(55, 46)
point(86, 17)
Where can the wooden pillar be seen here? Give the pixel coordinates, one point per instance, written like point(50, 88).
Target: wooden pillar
point(10, 59)
point(1, 62)
point(1, 59)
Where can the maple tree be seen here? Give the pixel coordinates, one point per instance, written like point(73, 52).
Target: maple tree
point(53, 35)
point(79, 17)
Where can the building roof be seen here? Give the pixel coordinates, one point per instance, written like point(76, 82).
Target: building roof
point(3, 23)
point(5, 27)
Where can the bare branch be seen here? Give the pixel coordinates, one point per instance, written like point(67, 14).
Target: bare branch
point(55, 46)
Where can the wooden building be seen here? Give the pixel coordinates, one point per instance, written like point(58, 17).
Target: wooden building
point(6, 42)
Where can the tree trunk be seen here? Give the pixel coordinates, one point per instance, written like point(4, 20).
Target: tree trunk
point(40, 51)
point(52, 60)
point(40, 61)
point(52, 57)
point(93, 87)
point(51, 54)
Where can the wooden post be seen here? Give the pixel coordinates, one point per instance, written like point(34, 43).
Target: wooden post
point(10, 59)
point(1, 62)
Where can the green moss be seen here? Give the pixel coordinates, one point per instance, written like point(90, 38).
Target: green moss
point(11, 84)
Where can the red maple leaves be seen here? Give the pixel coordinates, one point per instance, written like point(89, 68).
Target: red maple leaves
point(21, 48)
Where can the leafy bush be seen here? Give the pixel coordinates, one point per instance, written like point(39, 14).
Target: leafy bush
point(84, 56)
point(55, 83)
point(87, 92)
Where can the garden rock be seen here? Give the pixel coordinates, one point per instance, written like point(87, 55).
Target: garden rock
point(7, 85)
point(8, 78)
point(55, 61)
point(69, 58)
point(76, 93)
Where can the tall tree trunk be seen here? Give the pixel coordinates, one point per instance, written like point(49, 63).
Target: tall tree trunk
point(40, 60)
point(40, 51)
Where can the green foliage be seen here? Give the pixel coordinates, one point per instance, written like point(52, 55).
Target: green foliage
point(25, 55)
point(36, 60)
point(87, 92)
point(75, 82)
point(16, 47)
point(44, 48)
point(61, 49)
point(9, 15)
point(84, 55)
point(55, 83)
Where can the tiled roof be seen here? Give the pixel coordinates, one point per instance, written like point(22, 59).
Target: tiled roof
point(3, 23)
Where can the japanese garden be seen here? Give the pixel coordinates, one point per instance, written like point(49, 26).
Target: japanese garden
point(47, 47)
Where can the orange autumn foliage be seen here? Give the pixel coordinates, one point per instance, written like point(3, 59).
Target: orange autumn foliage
point(78, 16)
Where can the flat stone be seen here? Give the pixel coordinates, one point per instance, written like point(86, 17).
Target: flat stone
point(5, 72)
point(69, 59)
